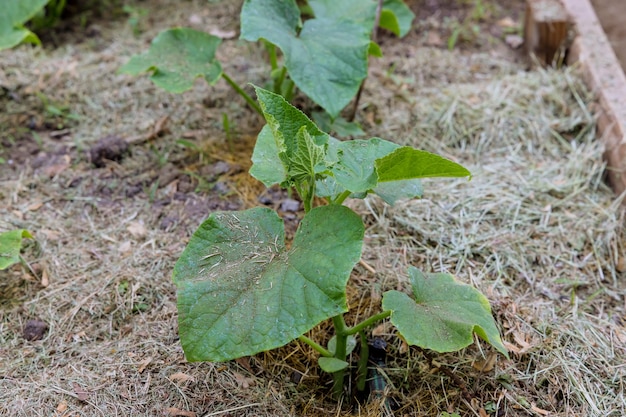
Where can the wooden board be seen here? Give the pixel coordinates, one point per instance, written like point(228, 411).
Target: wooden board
point(605, 77)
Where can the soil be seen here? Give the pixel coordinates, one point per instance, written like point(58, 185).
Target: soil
point(113, 176)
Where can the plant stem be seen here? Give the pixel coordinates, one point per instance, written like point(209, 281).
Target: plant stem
point(364, 356)
point(271, 49)
point(367, 323)
point(379, 9)
point(278, 84)
point(242, 93)
point(320, 349)
point(340, 353)
point(342, 197)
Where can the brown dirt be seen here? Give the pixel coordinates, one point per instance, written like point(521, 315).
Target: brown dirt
point(536, 229)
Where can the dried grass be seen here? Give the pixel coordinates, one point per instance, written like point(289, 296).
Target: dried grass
point(535, 229)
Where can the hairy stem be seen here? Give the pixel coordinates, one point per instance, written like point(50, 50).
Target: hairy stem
point(342, 197)
point(324, 352)
point(278, 83)
point(242, 93)
point(367, 323)
point(271, 50)
point(364, 355)
point(340, 353)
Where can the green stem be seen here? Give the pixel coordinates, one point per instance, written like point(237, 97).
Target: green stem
point(278, 84)
point(271, 49)
point(364, 356)
point(367, 323)
point(324, 352)
point(242, 93)
point(340, 353)
point(342, 197)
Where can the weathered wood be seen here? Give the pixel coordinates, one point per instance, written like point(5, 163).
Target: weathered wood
point(546, 29)
point(605, 77)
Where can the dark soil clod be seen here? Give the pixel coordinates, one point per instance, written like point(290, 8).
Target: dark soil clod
point(34, 330)
point(109, 148)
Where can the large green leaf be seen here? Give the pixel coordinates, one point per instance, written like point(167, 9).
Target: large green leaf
point(10, 246)
point(355, 170)
point(352, 165)
point(12, 18)
point(393, 191)
point(176, 58)
point(327, 55)
point(443, 315)
point(241, 291)
point(396, 17)
point(408, 163)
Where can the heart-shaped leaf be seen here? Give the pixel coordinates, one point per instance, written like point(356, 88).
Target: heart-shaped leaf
point(176, 58)
point(12, 18)
point(241, 291)
point(443, 315)
point(353, 166)
point(355, 170)
point(10, 246)
point(327, 55)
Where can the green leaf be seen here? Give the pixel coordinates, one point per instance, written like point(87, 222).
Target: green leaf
point(375, 50)
point(266, 164)
point(408, 163)
point(308, 160)
point(327, 55)
point(331, 365)
point(12, 19)
point(241, 291)
point(176, 58)
point(300, 145)
point(393, 191)
point(351, 344)
point(340, 126)
point(443, 315)
point(396, 17)
point(355, 170)
point(10, 246)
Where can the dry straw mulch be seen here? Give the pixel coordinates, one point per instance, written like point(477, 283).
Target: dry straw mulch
point(536, 230)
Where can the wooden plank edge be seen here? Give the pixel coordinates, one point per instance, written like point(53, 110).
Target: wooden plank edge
point(605, 77)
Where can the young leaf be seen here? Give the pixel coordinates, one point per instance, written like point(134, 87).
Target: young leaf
point(327, 55)
point(355, 169)
point(10, 246)
point(396, 17)
point(443, 315)
point(176, 58)
point(352, 165)
point(299, 144)
point(331, 365)
point(308, 159)
point(266, 164)
point(408, 163)
point(241, 291)
point(332, 344)
point(12, 18)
